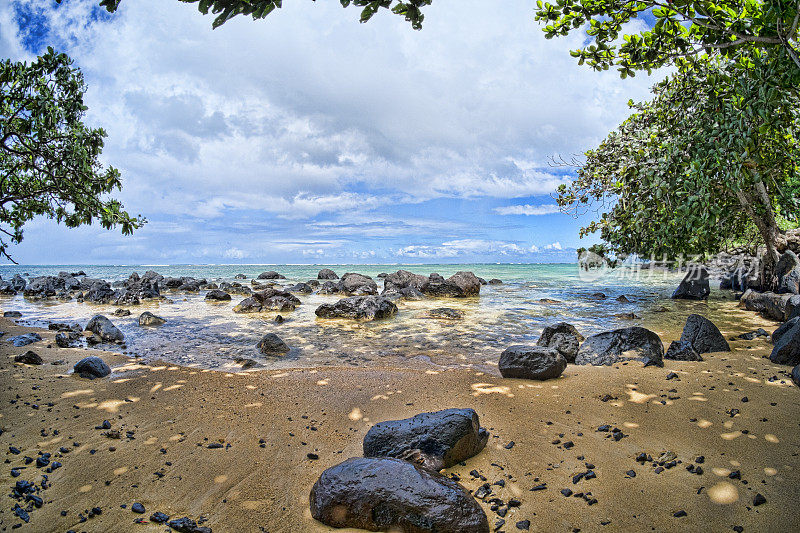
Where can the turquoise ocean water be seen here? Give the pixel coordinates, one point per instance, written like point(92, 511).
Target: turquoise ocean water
point(207, 335)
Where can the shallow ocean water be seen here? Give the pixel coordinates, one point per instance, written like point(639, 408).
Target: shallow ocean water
point(210, 335)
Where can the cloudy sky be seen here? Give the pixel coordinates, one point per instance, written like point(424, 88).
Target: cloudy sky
point(310, 138)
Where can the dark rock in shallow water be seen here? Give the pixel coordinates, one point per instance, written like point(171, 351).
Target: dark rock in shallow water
point(328, 287)
point(25, 339)
point(327, 273)
point(92, 367)
point(271, 344)
point(388, 494)
point(625, 344)
point(695, 285)
point(564, 338)
point(270, 274)
point(268, 300)
point(404, 279)
point(28, 358)
point(358, 308)
point(352, 283)
point(12, 314)
point(783, 328)
point(122, 312)
point(459, 285)
point(446, 313)
point(218, 295)
point(149, 319)
point(240, 276)
point(495, 281)
point(531, 362)
point(303, 288)
point(703, 335)
point(787, 348)
point(432, 440)
point(682, 351)
point(104, 329)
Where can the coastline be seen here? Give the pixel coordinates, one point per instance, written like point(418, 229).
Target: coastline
point(245, 487)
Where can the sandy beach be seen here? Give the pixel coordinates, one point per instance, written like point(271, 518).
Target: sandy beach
point(272, 425)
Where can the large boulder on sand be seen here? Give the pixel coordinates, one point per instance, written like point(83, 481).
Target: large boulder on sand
point(771, 305)
point(149, 319)
point(703, 335)
point(92, 367)
point(327, 273)
point(104, 329)
point(358, 308)
point(564, 338)
point(359, 284)
point(28, 358)
point(787, 270)
point(787, 348)
point(695, 285)
point(531, 362)
point(796, 375)
point(682, 351)
point(386, 494)
point(783, 328)
point(431, 440)
point(609, 347)
point(271, 344)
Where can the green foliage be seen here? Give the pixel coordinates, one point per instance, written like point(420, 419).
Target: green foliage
point(713, 153)
point(48, 158)
point(259, 9)
point(682, 29)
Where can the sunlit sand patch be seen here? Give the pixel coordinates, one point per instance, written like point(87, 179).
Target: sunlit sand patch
point(771, 471)
point(174, 368)
point(735, 463)
point(379, 397)
point(251, 387)
point(121, 380)
point(489, 388)
point(81, 392)
point(769, 437)
point(121, 470)
point(175, 438)
point(728, 424)
point(111, 406)
point(157, 368)
point(150, 441)
point(631, 425)
point(87, 405)
point(280, 375)
point(155, 387)
point(638, 397)
point(222, 478)
point(54, 440)
point(356, 414)
point(322, 382)
point(254, 404)
point(703, 424)
point(173, 387)
point(431, 372)
point(723, 493)
point(721, 472)
point(252, 505)
point(85, 488)
point(731, 436)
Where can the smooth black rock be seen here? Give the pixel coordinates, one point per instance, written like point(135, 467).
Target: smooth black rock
point(695, 285)
point(531, 362)
point(380, 494)
point(24, 339)
point(149, 319)
point(104, 329)
point(138, 508)
point(218, 295)
point(327, 273)
point(432, 440)
point(92, 367)
point(787, 350)
point(12, 314)
point(358, 308)
point(459, 285)
point(625, 344)
point(271, 344)
point(759, 499)
point(357, 284)
point(28, 358)
point(187, 525)
point(703, 335)
point(564, 338)
point(495, 281)
point(796, 375)
point(682, 351)
point(270, 274)
point(303, 288)
point(783, 329)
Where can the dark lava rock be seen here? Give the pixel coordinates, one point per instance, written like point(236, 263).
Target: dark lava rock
point(694, 286)
point(268, 300)
point(446, 313)
point(703, 335)
point(218, 295)
point(759, 499)
point(122, 312)
point(564, 338)
point(459, 285)
point(138, 508)
point(12, 314)
point(682, 351)
point(358, 308)
point(531, 362)
point(623, 299)
point(750, 335)
point(327, 273)
point(403, 279)
point(92, 367)
point(788, 272)
point(358, 284)
point(149, 319)
point(25, 339)
point(28, 358)
point(796, 375)
point(159, 518)
point(783, 329)
point(187, 525)
point(495, 281)
point(432, 440)
point(271, 344)
point(625, 344)
point(270, 274)
point(787, 349)
point(380, 494)
point(303, 288)
point(104, 329)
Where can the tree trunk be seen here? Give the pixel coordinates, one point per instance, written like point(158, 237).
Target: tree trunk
point(769, 231)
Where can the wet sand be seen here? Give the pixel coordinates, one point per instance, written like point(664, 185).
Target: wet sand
point(176, 412)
